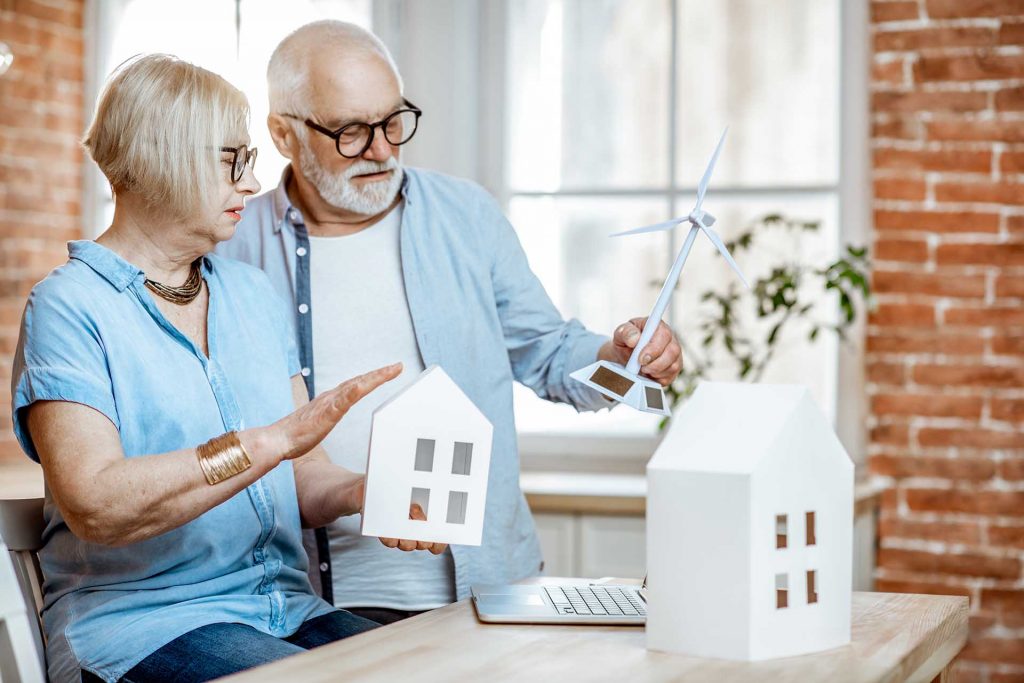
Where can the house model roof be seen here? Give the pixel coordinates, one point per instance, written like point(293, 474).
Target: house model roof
point(729, 427)
point(444, 394)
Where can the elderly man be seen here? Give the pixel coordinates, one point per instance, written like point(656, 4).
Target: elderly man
point(382, 264)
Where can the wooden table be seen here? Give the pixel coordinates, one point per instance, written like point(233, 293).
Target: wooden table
point(895, 637)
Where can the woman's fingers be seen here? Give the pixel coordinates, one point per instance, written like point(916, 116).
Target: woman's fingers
point(346, 394)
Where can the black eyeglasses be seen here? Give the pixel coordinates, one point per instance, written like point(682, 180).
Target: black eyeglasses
point(242, 156)
point(353, 139)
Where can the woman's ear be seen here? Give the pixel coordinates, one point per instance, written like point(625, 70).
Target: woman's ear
point(282, 134)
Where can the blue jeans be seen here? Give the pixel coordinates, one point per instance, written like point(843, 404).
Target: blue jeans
point(217, 650)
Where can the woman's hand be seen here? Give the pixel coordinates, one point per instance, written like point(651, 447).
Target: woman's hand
point(297, 433)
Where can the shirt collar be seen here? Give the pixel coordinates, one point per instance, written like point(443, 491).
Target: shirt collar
point(112, 267)
point(284, 210)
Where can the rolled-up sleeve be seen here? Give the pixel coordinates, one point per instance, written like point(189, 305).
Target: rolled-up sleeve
point(60, 357)
point(543, 347)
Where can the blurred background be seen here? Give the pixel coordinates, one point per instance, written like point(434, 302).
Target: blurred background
point(892, 124)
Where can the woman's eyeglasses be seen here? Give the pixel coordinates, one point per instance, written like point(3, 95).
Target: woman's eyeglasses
point(242, 156)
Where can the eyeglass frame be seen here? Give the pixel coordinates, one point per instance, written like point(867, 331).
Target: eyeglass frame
point(250, 157)
point(382, 124)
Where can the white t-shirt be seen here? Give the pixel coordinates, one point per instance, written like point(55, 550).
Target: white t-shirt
point(361, 321)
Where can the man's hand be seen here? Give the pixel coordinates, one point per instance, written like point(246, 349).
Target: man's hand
point(415, 512)
point(661, 359)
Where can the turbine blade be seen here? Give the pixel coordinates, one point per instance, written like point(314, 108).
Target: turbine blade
point(702, 188)
point(666, 225)
point(717, 241)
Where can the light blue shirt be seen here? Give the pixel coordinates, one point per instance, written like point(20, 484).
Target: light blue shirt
point(478, 311)
point(92, 334)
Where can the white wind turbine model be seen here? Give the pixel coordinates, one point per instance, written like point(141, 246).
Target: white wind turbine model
point(624, 384)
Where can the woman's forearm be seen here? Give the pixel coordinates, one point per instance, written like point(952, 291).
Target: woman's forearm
point(325, 491)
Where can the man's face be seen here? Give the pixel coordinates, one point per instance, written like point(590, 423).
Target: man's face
point(348, 90)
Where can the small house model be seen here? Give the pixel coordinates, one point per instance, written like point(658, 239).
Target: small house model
point(429, 446)
point(749, 527)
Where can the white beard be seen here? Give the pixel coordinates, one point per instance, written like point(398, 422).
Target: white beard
point(338, 190)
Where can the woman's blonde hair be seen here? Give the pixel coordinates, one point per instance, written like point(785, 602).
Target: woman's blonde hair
point(159, 124)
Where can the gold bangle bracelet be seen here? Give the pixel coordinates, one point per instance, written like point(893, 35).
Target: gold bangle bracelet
point(223, 457)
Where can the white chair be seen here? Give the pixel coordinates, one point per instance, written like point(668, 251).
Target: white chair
point(22, 653)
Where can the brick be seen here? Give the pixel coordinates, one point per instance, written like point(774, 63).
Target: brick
point(886, 373)
point(994, 192)
point(958, 9)
point(911, 466)
point(915, 101)
point(971, 502)
point(960, 564)
point(1002, 599)
point(1010, 344)
point(944, 343)
point(1008, 409)
point(1011, 32)
point(904, 250)
point(927, 284)
point(1008, 254)
point(988, 130)
point(935, 37)
point(1015, 225)
point(992, 316)
point(891, 71)
point(953, 160)
point(1011, 162)
point(903, 315)
point(1012, 470)
point(966, 533)
point(887, 585)
point(890, 434)
point(937, 221)
point(976, 66)
point(900, 127)
point(893, 11)
point(899, 188)
point(933, 437)
point(1010, 99)
point(996, 650)
point(930, 405)
point(1009, 535)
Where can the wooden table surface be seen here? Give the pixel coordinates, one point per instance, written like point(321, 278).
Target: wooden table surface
point(895, 637)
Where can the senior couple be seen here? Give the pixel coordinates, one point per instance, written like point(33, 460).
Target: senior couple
point(197, 382)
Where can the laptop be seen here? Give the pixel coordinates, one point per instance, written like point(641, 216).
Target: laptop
point(572, 602)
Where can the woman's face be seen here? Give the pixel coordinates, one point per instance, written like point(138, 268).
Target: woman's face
point(226, 200)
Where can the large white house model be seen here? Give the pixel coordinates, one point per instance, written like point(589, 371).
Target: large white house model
point(431, 446)
point(749, 527)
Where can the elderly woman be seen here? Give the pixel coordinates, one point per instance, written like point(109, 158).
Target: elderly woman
point(158, 385)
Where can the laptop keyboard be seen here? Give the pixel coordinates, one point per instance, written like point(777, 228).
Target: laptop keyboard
point(596, 600)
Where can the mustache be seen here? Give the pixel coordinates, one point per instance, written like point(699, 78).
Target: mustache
point(367, 166)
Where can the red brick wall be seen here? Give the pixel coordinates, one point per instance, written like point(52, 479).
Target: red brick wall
point(945, 356)
point(41, 120)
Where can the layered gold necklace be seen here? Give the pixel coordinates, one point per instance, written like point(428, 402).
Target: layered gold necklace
point(186, 293)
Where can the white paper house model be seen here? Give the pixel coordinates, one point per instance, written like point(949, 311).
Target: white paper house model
point(429, 444)
point(749, 527)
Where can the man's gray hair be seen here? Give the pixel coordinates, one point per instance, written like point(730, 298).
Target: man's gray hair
point(288, 71)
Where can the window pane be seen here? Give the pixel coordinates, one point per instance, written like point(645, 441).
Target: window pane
point(770, 70)
point(588, 93)
point(602, 281)
point(796, 359)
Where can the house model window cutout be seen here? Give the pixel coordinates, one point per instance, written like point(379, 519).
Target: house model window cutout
point(429, 446)
point(766, 492)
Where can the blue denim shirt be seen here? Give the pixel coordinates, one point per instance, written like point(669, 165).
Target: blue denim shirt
point(477, 310)
point(92, 334)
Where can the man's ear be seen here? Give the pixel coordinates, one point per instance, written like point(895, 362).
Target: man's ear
point(282, 134)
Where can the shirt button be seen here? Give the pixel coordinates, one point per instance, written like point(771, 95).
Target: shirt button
point(305, 372)
point(301, 251)
point(324, 566)
point(303, 308)
point(294, 216)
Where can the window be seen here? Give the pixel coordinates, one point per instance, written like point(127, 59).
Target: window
point(811, 539)
point(780, 531)
point(420, 497)
point(457, 507)
point(233, 38)
point(424, 455)
point(812, 586)
point(463, 458)
point(781, 591)
point(613, 108)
